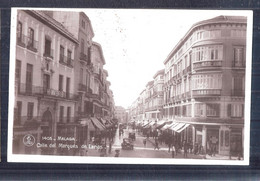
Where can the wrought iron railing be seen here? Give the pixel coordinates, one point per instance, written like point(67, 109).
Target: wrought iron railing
point(29, 89)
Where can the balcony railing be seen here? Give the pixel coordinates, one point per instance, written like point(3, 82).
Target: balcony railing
point(32, 44)
point(28, 89)
point(21, 40)
point(238, 93)
point(239, 64)
point(206, 92)
point(66, 60)
point(27, 42)
point(82, 87)
point(83, 56)
point(207, 64)
point(48, 53)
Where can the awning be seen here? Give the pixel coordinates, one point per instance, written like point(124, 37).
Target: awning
point(181, 129)
point(97, 123)
point(87, 122)
point(177, 126)
point(167, 125)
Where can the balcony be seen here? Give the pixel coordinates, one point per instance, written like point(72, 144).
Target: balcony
point(66, 61)
point(32, 44)
point(27, 42)
point(31, 90)
point(209, 64)
point(239, 64)
point(82, 88)
point(238, 93)
point(83, 57)
point(48, 54)
point(21, 40)
point(206, 92)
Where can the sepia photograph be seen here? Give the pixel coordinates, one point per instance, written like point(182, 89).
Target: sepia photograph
point(130, 86)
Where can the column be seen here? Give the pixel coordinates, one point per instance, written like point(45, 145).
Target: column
point(204, 137)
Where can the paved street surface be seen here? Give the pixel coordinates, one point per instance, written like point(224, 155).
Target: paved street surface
point(148, 151)
point(140, 151)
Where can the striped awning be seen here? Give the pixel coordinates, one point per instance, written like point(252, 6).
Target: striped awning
point(97, 123)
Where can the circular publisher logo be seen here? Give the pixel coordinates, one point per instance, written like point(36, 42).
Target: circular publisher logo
point(28, 140)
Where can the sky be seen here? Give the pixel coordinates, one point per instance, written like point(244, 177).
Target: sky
point(135, 43)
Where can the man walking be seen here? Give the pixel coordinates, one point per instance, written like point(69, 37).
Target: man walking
point(144, 142)
point(173, 150)
point(156, 144)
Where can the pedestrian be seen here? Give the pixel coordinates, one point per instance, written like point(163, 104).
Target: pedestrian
point(117, 153)
point(156, 144)
point(110, 147)
point(173, 151)
point(144, 142)
point(185, 147)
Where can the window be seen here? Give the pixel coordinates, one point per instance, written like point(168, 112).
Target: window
point(61, 113)
point(210, 81)
point(62, 54)
point(83, 24)
point(46, 82)
point(68, 87)
point(236, 110)
point(199, 110)
point(60, 82)
point(29, 75)
point(68, 114)
point(209, 53)
point(69, 61)
point(82, 46)
point(31, 38)
point(215, 33)
point(212, 110)
point(19, 113)
point(20, 32)
point(47, 47)
point(18, 74)
point(30, 110)
point(239, 60)
point(81, 76)
point(238, 86)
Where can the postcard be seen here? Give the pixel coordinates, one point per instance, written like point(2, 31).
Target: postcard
point(130, 86)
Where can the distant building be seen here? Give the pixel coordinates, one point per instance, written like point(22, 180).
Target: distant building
point(121, 114)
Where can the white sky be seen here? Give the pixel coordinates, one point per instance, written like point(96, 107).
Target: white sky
point(136, 42)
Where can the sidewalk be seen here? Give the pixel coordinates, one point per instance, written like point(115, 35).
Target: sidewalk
point(191, 155)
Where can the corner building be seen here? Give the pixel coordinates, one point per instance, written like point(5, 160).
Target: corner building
point(44, 90)
point(204, 84)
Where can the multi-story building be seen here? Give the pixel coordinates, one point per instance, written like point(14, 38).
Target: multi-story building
point(90, 82)
point(71, 96)
point(154, 97)
point(204, 84)
point(45, 99)
point(121, 114)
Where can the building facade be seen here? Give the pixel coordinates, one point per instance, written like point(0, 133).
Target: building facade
point(154, 97)
point(120, 114)
point(61, 88)
point(204, 84)
point(45, 98)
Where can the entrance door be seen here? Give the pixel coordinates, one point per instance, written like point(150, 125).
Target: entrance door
point(212, 140)
point(224, 141)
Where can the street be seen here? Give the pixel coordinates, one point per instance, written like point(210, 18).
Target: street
point(140, 151)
